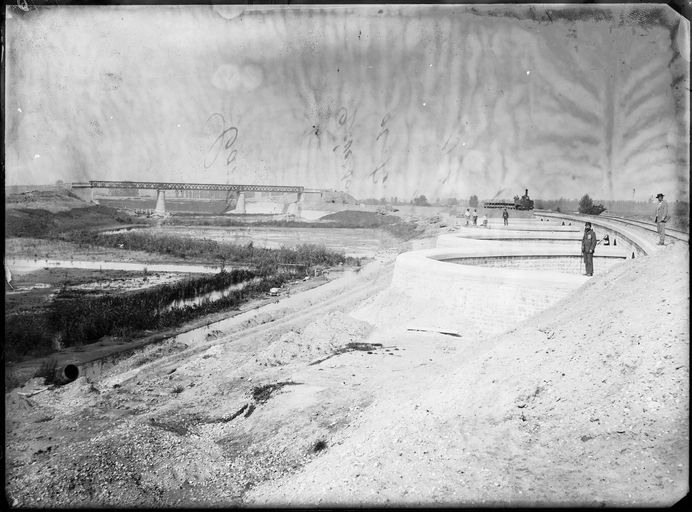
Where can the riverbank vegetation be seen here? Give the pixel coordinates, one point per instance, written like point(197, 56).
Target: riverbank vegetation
point(79, 317)
point(347, 219)
point(265, 260)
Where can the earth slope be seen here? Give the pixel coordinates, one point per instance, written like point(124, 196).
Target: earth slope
point(298, 402)
point(584, 404)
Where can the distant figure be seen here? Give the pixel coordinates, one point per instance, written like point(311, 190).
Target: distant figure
point(588, 244)
point(563, 222)
point(485, 220)
point(475, 217)
point(661, 219)
point(505, 217)
point(606, 240)
point(467, 214)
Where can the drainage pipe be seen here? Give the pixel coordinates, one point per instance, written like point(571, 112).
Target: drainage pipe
point(66, 373)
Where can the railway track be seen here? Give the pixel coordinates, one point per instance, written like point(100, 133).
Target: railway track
point(640, 224)
point(649, 226)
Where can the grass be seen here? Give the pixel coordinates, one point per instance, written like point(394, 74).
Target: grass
point(264, 259)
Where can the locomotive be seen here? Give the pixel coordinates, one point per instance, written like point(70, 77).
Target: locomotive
point(520, 203)
point(524, 202)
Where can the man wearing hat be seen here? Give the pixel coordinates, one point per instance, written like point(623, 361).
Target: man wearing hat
point(588, 244)
point(661, 218)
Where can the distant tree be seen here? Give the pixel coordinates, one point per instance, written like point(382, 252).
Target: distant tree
point(452, 201)
point(421, 200)
point(587, 206)
point(473, 201)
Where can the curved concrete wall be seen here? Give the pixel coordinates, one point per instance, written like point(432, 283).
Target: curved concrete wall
point(471, 298)
point(485, 280)
point(455, 239)
point(571, 240)
point(634, 241)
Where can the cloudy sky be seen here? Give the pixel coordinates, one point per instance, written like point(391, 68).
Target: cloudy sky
point(379, 101)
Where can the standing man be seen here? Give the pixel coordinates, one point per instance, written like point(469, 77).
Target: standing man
point(588, 244)
point(661, 218)
point(475, 217)
point(505, 217)
point(468, 216)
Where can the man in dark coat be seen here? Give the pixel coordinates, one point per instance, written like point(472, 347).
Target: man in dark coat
point(588, 244)
point(505, 216)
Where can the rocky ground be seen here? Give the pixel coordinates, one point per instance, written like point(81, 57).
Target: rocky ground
point(313, 400)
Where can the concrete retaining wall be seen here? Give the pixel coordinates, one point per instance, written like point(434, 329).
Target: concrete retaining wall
point(620, 246)
point(563, 264)
point(486, 280)
point(471, 298)
point(626, 237)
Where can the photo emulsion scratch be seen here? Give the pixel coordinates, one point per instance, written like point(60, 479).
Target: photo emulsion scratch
point(346, 255)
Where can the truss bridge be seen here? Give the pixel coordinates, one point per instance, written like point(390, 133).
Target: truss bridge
point(161, 187)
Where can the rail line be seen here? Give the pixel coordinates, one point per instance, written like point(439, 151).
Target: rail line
point(640, 224)
point(649, 226)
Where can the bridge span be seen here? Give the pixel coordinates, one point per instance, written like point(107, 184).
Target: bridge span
point(161, 187)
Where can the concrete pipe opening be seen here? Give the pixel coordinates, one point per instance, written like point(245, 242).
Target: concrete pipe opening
point(69, 373)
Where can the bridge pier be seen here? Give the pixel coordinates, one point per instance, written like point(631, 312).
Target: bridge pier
point(295, 208)
point(161, 202)
point(240, 205)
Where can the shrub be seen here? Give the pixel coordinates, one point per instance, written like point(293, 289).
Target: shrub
point(587, 206)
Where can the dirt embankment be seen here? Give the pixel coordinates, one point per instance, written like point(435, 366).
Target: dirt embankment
point(300, 403)
point(51, 201)
point(46, 218)
point(585, 404)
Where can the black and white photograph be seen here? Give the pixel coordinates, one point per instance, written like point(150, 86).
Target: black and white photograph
point(346, 255)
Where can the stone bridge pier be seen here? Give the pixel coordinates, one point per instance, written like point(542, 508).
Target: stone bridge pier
point(240, 204)
point(296, 207)
point(161, 202)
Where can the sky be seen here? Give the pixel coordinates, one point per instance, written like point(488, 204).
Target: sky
point(378, 101)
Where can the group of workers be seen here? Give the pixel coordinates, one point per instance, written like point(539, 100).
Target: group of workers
point(473, 216)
